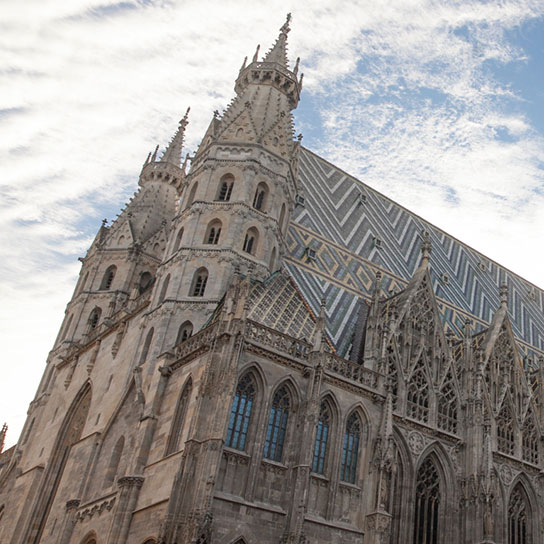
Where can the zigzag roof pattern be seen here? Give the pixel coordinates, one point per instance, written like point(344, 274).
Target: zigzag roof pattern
point(353, 237)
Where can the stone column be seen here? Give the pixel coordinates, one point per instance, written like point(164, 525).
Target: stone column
point(129, 487)
point(69, 521)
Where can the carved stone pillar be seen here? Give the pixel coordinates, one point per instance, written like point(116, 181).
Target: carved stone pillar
point(69, 521)
point(129, 487)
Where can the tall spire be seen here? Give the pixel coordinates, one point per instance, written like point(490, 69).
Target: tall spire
point(278, 52)
point(174, 149)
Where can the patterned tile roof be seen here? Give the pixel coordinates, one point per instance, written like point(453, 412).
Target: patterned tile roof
point(356, 231)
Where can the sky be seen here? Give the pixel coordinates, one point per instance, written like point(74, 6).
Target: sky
point(437, 104)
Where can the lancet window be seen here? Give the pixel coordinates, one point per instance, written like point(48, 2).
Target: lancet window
point(505, 431)
point(259, 200)
point(240, 414)
point(518, 518)
point(426, 522)
point(321, 439)
point(447, 406)
point(350, 450)
point(213, 232)
point(179, 237)
point(529, 440)
point(250, 241)
point(146, 281)
point(94, 318)
point(184, 332)
point(418, 394)
point(277, 425)
point(225, 188)
point(199, 283)
point(107, 280)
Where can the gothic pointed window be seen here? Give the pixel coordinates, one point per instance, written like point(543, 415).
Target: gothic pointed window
point(261, 193)
point(113, 467)
point(179, 238)
point(426, 522)
point(192, 195)
point(240, 414)
point(505, 431)
point(147, 345)
point(417, 405)
point(225, 188)
point(350, 450)
point(184, 332)
point(200, 280)
point(107, 279)
point(447, 406)
point(213, 232)
point(321, 439)
point(529, 439)
point(250, 241)
point(519, 531)
point(277, 425)
point(281, 220)
point(178, 421)
point(145, 282)
point(94, 318)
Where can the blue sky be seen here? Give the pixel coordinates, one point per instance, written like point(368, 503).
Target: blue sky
point(437, 104)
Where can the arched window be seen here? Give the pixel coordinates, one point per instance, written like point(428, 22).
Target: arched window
point(529, 439)
point(178, 239)
point(447, 406)
point(426, 522)
point(94, 318)
point(350, 450)
point(179, 418)
point(261, 196)
point(199, 283)
point(89, 539)
point(164, 289)
point(519, 531)
point(213, 232)
point(147, 345)
point(145, 282)
point(277, 425)
point(418, 394)
point(225, 188)
point(185, 331)
point(113, 467)
point(250, 241)
point(321, 439)
point(107, 280)
point(505, 431)
point(66, 328)
point(192, 194)
point(240, 413)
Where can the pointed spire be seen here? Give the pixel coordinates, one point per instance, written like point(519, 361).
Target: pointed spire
point(278, 52)
point(426, 247)
point(172, 153)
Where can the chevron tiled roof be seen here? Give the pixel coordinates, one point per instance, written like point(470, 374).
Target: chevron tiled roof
point(355, 231)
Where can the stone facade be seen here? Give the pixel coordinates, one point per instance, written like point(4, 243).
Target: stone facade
point(197, 393)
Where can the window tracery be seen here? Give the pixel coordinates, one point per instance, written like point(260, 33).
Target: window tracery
point(518, 519)
point(240, 414)
point(447, 406)
point(107, 280)
point(277, 425)
point(418, 394)
point(199, 283)
point(426, 520)
point(321, 439)
point(529, 440)
point(505, 431)
point(350, 450)
point(213, 232)
point(225, 188)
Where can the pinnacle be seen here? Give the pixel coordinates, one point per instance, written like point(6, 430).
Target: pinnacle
point(174, 149)
point(278, 52)
point(426, 247)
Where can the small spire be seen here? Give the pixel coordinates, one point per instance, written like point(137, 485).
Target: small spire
point(243, 64)
point(426, 247)
point(503, 291)
point(173, 152)
point(278, 52)
point(295, 69)
point(147, 160)
point(154, 156)
point(256, 55)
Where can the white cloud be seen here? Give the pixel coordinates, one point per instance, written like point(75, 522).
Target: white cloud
point(403, 95)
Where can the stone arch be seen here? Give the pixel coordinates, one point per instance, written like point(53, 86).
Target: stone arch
point(94, 318)
point(185, 331)
point(225, 187)
point(213, 232)
point(239, 540)
point(108, 277)
point(90, 538)
point(69, 433)
point(362, 412)
point(260, 198)
point(326, 431)
point(200, 280)
point(192, 194)
point(251, 241)
point(145, 281)
point(522, 483)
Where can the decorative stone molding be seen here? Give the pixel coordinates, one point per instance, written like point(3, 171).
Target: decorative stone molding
point(506, 474)
point(72, 504)
point(416, 442)
point(129, 481)
point(97, 508)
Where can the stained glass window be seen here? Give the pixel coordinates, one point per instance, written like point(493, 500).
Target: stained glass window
point(240, 413)
point(277, 425)
point(518, 526)
point(427, 501)
point(350, 450)
point(321, 438)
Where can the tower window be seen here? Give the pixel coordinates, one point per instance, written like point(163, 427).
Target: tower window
point(213, 232)
point(107, 280)
point(184, 332)
point(321, 439)
point(240, 413)
point(261, 193)
point(250, 241)
point(225, 188)
point(94, 318)
point(277, 425)
point(199, 283)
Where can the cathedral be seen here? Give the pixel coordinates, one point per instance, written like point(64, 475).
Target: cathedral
point(261, 348)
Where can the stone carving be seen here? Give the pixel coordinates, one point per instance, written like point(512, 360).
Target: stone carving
point(416, 441)
point(506, 474)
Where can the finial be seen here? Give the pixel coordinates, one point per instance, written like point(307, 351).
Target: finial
point(426, 247)
point(104, 222)
point(300, 82)
point(503, 291)
point(256, 55)
point(295, 69)
point(216, 114)
point(243, 64)
point(154, 156)
point(299, 137)
point(185, 120)
point(285, 28)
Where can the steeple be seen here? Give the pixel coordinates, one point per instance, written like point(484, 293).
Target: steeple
point(173, 151)
point(278, 52)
